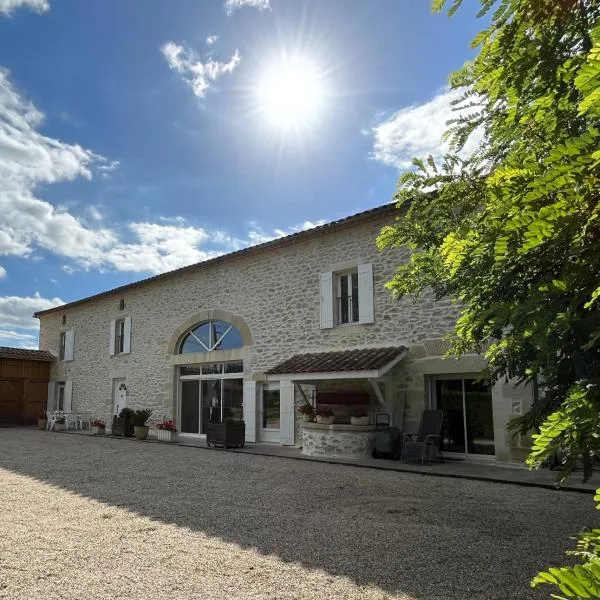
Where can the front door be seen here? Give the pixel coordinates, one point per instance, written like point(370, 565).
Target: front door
point(468, 426)
point(270, 413)
point(119, 395)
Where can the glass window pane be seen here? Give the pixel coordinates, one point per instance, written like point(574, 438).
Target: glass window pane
point(450, 400)
point(191, 345)
point(190, 406)
point(354, 297)
point(270, 409)
point(212, 368)
point(234, 367)
point(211, 402)
point(189, 370)
point(480, 419)
point(226, 341)
point(233, 396)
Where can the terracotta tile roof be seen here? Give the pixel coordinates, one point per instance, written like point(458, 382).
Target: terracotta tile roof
point(288, 240)
point(361, 359)
point(24, 354)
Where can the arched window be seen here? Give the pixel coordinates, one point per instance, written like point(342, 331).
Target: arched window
point(211, 335)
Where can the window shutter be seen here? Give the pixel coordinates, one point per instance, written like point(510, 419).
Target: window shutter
point(250, 410)
point(111, 348)
point(69, 344)
point(287, 425)
point(68, 396)
point(50, 400)
point(365, 294)
point(326, 295)
point(127, 336)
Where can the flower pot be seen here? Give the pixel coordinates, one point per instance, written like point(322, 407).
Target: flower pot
point(98, 430)
point(359, 420)
point(165, 435)
point(42, 423)
point(325, 420)
point(141, 433)
point(59, 426)
point(307, 418)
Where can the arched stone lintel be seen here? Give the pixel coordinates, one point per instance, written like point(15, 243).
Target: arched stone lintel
point(214, 314)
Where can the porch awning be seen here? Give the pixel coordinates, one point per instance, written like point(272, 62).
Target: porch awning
point(360, 363)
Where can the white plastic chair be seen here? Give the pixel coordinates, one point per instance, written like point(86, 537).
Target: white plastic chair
point(53, 418)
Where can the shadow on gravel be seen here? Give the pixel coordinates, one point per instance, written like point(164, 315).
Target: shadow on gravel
point(426, 537)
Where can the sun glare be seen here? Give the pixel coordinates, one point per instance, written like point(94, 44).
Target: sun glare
point(291, 94)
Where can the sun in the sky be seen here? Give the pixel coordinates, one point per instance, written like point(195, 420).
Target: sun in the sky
point(291, 93)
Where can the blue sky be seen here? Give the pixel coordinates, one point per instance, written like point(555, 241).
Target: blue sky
point(138, 137)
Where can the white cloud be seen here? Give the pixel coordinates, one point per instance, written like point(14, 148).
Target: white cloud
point(94, 213)
point(417, 131)
point(197, 74)
point(232, 5)
point(8, 6)
point(212, 39)
point(2, 272)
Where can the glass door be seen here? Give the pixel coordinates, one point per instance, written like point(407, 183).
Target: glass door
point(190, 406)
point(270, 413)
point(468, 427)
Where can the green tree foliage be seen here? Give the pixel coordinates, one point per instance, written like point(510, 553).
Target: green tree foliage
point(512, 231)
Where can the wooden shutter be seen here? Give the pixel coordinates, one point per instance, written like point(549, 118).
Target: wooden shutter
point(287, 425)
point(68, 396)
point(250, 410)
point(365, 294)
point(69, 344)
point(50, 401)
point(127, 336)
point(111, 347)
point(326, 296)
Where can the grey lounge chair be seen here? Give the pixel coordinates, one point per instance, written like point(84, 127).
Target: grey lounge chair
point(424, 444)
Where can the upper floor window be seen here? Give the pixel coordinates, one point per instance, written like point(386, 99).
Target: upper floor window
point(120, 336)
point(346, 296)
point(66, 345)
point(347, 299)
point(211, 335)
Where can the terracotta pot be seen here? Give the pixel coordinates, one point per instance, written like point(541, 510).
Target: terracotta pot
point(307, 418)
point(141, 433)
point(42, 423)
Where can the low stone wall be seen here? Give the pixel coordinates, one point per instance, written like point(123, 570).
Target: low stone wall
point(337, 441)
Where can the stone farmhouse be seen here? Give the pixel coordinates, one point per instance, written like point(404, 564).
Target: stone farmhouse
point(256, 333)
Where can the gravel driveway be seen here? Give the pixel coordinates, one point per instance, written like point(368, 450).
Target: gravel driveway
point(91, 518)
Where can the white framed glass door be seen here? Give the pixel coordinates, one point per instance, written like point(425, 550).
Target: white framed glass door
point(270, 413)
point(468, 427)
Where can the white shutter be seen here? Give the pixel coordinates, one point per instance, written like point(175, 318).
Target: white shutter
point(326, 295)
point(365, 294)
point(286, 403)
point(127, 336)
point(68, 396)
point(50, 400)
point(250, 410)
point(69, 344)
point(111, 348)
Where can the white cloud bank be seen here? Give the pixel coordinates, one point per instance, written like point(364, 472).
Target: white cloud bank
point(417, 131)
point(197, 74)
point(7, 7)
point(232, 5)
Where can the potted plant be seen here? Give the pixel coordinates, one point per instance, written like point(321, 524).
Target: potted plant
point(230, 433)
point(165, 431)
point(98, 427)
point(122, 424)
point(307, 412)
point(42, 420)
point(360, 417)
point(59, 424)
point(138, 419)
point(325, 416)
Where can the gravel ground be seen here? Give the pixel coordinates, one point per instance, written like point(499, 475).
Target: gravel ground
point(97, 518)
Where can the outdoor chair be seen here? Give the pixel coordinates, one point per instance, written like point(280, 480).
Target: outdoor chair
point(75, 419)
point(424, 444)
point(53, 417)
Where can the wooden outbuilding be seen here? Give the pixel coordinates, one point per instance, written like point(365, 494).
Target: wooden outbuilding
point(24, 376)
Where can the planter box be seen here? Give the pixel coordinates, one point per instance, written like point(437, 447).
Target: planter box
point(164, 435)
point(42, 423)
point(325, 420)
point(307, 418)
point(59, 426)
point(122, 427)
point(98, 430)
point(227, 435)
point(359, 420)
